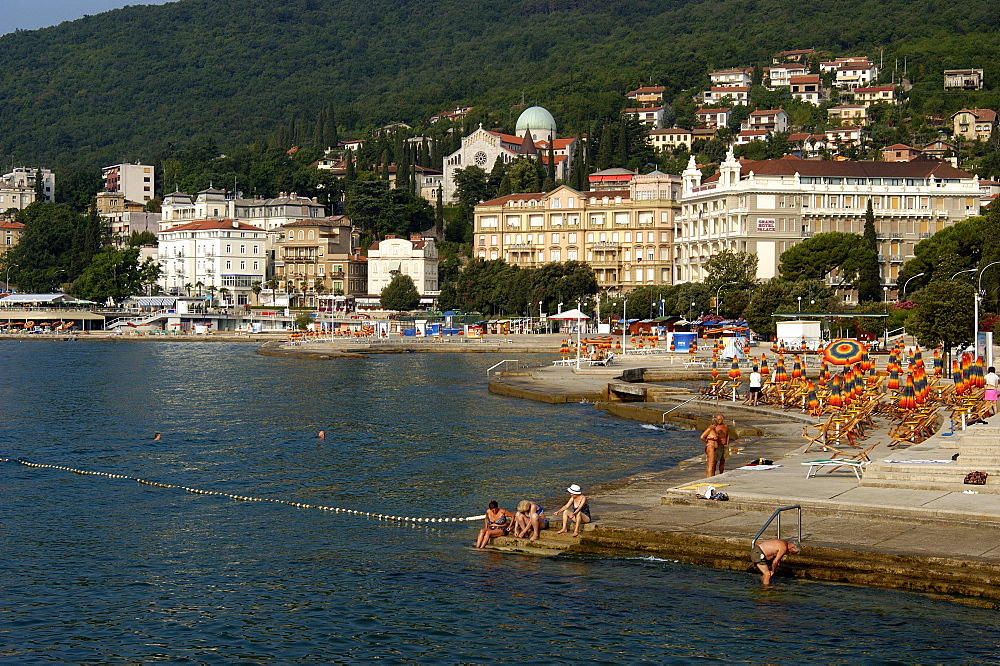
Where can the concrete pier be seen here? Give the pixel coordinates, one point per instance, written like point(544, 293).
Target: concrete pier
point(909, 523)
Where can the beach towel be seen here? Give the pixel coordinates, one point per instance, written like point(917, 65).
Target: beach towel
point(696, 486)
point(917, 462)
point(753, 467)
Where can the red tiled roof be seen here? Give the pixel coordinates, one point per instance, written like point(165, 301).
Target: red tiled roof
point(875, 89)
point(647, 89)
point(985, 115)
point(512, 197)
point(646, 109)
point(899, 146)
point(799, 136)
point(205, 225)
point(805, 78)
point(710, 111)
point(12, 225)
point(788, 167)
point(753, 133)
point(766, 112)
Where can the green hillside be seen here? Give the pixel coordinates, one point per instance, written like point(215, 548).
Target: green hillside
point(141, 81)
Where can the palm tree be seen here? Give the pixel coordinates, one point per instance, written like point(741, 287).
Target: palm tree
point(199, 285)
point(188, 288)
point(256, 288)
point(211, 295)
point(223, 293)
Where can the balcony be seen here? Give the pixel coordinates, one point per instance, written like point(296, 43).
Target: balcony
point(523, 247)
point(609, 262)
point(611, 245)
point(889, 235)
point(925, 234)
point(896, 258)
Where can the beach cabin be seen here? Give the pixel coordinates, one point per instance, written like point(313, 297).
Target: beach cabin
point(793, 333)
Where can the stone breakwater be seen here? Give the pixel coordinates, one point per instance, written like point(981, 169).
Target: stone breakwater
point(904, 533)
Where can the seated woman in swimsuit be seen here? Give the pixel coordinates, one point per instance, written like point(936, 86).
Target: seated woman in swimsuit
point(497, 522)
point(530, 517)
point(576, 509)
point(711, 439)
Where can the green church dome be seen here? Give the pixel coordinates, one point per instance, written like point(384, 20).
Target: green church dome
point(536, 118)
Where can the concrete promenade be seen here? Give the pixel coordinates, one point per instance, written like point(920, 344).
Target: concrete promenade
point(908, 524)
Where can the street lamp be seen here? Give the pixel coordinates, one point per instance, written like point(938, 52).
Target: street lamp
point(725, 284)
point(800, 303)
point(885, 291)
point(975, 325)
point(7, 281)
point(903, 291)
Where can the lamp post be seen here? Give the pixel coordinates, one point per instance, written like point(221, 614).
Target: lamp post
point(800, 303)
point(7, 281)
point(903, 291)
point(975, 326)
point(885, 291)
point(725, 284)
point(624, 324)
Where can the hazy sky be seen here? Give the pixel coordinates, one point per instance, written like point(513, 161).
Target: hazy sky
point(32, 14)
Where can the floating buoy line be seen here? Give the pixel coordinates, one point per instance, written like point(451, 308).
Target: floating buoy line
point(246, 498)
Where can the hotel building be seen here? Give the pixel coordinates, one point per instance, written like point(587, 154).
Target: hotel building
point(766, 207)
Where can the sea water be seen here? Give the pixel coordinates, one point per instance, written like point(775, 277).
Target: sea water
point(100, 569)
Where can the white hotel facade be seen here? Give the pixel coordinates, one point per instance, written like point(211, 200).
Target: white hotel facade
point(767, 207)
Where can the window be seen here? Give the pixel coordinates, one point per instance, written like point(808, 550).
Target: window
point(556, 254)
point(229, 265)
point(590, 237)
point(482, 240)
point(229, 249)
point(243, 265)
point(493, 240)
point(572, 238)
point(536, 221)
point(571, 254)
point(256, 266)
point(556, 220)
point(555, 238)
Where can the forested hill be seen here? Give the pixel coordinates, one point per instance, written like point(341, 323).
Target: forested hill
point(136, 82)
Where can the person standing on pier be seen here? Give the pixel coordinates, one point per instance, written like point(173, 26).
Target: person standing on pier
point(722, 444)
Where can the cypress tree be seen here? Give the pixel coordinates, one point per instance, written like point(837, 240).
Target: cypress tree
point(39, 186)
point(621, 146)
point(869, 275)
point(552, 162)
point(604, 148)
point(350, 174)
point(439, 212)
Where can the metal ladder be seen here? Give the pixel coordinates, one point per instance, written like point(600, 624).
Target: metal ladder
point(777, 514)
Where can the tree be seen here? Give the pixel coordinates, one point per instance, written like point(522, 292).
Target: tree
point(140, 238)
point(869, 276)
point(400, 294)
point(942, 314)
point(303, 320)
point(115, 274)
point(816, 257)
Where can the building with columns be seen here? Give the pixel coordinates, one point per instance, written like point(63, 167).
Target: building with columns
point(626, 235)
point(768, 206)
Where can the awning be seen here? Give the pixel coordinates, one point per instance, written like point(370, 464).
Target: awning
point(155, 301)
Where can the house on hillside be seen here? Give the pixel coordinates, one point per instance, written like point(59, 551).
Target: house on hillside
point(648, 96)
point(781, 75)
point(849, 114)
point(650, 116)
point(963, 79)
point(796, 55)
point(727, 94)
point(875, 95)
point(807, 88)
point(713, 118)
point(900, 152)
point(670, 138)
point(974, 124)
point(771, 120)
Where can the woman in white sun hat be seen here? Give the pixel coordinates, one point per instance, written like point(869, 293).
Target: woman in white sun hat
point(576, 509)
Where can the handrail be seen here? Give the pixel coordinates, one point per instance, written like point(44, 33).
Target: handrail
point(506, 360)
point(777, 514)
point(663, 418)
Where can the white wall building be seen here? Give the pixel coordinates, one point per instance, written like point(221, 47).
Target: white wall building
point(135, 181)
point(767, 207)
point(17, 188)
point(483, 148)
point(268, 214)
point(416, 257)
point(219, 253)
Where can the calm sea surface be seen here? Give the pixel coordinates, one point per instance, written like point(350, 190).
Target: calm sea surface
point(104, 570)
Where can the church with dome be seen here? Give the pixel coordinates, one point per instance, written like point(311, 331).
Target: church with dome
point(534, 132)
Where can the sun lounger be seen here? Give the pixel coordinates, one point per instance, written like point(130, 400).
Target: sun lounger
point(856, 466)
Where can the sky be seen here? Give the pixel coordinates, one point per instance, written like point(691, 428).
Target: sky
point(33, 14)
